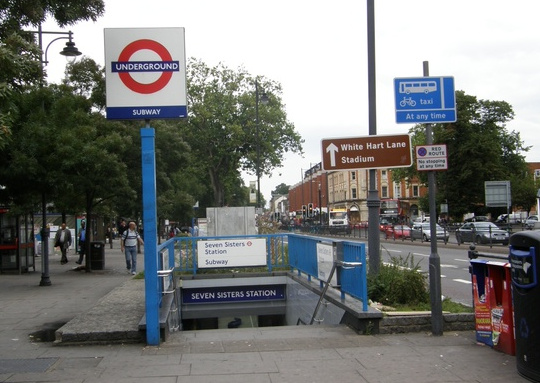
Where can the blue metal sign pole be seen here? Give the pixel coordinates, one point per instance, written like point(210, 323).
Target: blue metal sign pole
point(150, 234)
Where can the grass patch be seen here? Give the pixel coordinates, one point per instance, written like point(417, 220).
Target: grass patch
point(447, 305)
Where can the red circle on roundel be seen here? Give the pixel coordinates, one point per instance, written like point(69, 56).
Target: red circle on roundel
point(136, 86)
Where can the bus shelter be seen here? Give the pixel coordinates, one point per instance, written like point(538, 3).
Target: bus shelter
point(16, 242)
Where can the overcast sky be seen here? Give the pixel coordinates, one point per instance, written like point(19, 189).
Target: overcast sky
point(318, 52)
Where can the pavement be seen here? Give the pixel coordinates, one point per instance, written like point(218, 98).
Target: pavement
point(293, 354)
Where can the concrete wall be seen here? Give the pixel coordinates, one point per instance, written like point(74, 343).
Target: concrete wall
point(230, 221)
point(418, 323)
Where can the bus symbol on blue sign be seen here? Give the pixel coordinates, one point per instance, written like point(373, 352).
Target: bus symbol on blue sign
point(425, 100)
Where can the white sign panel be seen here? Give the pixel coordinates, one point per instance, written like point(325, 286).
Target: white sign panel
point(231, 253)
point(325, 261)
point(431, 157)
point(145, 71)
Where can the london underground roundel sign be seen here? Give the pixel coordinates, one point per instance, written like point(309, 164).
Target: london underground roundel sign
point(145, 73)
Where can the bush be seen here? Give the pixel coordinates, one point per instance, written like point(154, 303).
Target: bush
point(399, 282)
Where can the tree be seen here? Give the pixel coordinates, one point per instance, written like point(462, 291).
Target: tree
point(19, 54)
point(479, 149)
point(74, 158)
point(221, 129)
point(281, 189)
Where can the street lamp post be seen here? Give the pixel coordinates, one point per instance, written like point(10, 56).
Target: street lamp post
point(70, 51)
point(264, 100)
point(320, 206)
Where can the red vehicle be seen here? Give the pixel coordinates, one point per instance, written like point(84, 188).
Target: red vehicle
point(397, 232)
point(391, 210)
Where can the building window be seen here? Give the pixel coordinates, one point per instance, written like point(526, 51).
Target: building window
point(353, 175)
point(397, 190)
point(353, 192)
point(384, 175)
point(384, 192)
point(415, 191)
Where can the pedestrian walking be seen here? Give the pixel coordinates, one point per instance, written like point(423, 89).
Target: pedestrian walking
point(62, 239)
point(82, 243)
point(128, 244)
point(122, 227)
point(110, 234)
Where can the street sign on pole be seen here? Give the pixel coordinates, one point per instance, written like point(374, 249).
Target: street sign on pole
point(369, 152)
point(498, 194)
point(431, 157)
point(425, 100)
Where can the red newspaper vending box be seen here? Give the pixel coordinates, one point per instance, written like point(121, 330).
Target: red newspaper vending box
point(481, 301)
point(500, 302)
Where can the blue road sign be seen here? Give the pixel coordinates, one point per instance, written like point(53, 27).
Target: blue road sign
point(423, 100)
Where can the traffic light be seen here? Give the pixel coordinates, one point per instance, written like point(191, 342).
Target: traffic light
point(304, 211)
point(310, 210)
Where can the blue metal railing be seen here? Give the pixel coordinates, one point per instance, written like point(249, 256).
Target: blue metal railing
point(353, 281)
point(284, 250)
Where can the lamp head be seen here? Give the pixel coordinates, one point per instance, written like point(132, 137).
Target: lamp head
point(70, 50)
point(264, 98)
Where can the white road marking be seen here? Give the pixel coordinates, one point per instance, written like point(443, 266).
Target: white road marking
point(450, 266)
point(462, 281)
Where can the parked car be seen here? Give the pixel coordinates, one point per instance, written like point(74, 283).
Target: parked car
point(422, 231)
point(512, 217)
point(482, 232)
point(397, 232)
point(531, 222)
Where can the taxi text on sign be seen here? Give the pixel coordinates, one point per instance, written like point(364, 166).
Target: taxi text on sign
point(145, 71)
point(369, 152)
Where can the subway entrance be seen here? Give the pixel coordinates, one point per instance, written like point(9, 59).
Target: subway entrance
point(248, 301)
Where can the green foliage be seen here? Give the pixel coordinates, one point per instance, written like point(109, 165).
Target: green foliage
point(399, 282)
point(447, 305)
point(281, 189)
point(222, 129)
point(20, 55)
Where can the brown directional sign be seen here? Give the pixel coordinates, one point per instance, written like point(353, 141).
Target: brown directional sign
point(369, 152)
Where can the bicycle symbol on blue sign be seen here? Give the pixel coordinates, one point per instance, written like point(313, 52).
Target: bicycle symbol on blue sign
point(407, 101)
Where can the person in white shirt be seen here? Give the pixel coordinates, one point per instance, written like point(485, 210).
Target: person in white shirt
point(128, 244)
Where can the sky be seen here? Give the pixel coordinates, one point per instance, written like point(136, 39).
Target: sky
point(317, 50)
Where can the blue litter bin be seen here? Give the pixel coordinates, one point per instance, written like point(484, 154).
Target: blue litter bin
point(524, 250)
